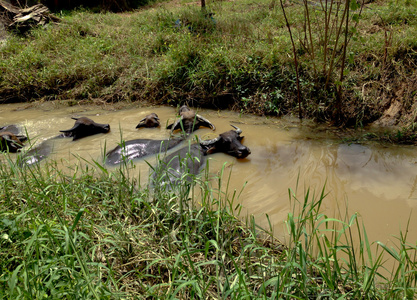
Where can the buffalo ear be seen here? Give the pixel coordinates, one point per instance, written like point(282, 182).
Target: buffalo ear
point(72, 129)
point(208, 149)
point(170, 126)
point(69, 133)
point(141, 123)
point(240, 138)
point(211, 150)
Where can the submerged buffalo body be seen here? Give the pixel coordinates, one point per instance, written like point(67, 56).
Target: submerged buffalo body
point(139, 148)
point(189, 160)
point(150, 121)
point(85, 127)
point(189, 121)
point(10, 128)
point(11, 142)
point(37, 154)
point(170, 171)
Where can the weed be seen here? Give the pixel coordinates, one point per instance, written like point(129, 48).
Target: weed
point(88, 232)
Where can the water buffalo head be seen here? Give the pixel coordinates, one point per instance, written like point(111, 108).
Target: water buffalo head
point(228, 142)
point(11, 142)
point(149, 121)
point(85, 127)
point(183, 109)
point(190, 121)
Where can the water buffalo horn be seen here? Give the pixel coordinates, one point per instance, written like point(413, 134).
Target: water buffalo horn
point(209, 142)
point(176, 124)
point(238, 130)
point(206, 121)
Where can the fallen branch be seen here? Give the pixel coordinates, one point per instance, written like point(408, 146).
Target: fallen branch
point(25, 18)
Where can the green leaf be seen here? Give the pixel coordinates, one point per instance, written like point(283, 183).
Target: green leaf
point(355, 18)
point(354, 5)
point(77, 219)
point(392, 252)
point(13, 280)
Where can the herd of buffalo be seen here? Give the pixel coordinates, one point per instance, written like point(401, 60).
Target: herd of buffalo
point(189, 158)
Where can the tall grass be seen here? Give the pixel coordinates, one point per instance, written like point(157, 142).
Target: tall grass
point(90, 232)
point(330, 257)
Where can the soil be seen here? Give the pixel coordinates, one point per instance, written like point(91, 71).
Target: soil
point(3, 33)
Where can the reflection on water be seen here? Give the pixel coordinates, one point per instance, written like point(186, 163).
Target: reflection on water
point(378, 182)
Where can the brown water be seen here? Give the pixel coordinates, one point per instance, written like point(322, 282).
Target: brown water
point(378, 182)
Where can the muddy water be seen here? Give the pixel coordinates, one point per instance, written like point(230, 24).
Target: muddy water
point(377, 182)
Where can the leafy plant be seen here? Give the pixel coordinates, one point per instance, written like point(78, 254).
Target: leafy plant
point(324, 38)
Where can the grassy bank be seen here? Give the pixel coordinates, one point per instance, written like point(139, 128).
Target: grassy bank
point(242, 58)
point(86, 232)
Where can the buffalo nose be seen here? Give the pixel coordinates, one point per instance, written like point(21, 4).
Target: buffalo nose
point(244, 152)
point(245, 149)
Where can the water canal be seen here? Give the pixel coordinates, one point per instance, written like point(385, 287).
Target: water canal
point(379, 182)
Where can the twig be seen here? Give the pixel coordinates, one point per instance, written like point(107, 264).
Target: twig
point(300, 116)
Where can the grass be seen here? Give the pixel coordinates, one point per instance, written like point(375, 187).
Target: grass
point(88, 232)
point(242, 59)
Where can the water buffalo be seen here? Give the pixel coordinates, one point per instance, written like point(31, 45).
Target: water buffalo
point(85, 127)
point(11, 142)
point(189, 160)
point(150, 121)
point(139, 148)
point(189, 121)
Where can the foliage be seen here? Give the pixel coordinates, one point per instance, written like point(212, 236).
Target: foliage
point(235, 56)
point(90, 232)
point(327, 31)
